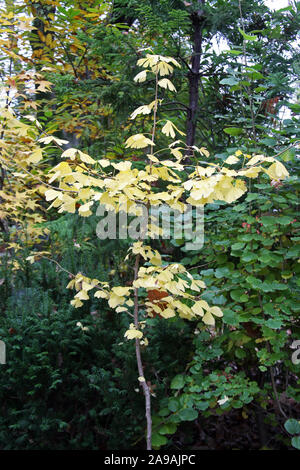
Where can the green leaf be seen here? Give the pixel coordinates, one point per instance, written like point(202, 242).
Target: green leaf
point(233, 52)
point(253, 197)
point(239, 295)
point(288, 155)
point(240, 353)
point(168, 428)
point(248, 257)
point(177, 383)
point(292, 426)
point(254, 75)
point(296, 442)
point(222, 272)
point(285, 220)
point(293, 252)
point(188, 414)
point(254, 282)
point(259, 89)
point(238, 246)
point(268, 220)
point(158, 440)
point(233, 130)
point(229, 81)
point(202, 405)
point(273, 323)
point(246, 36)
point(268, 141)
point(164, 412)
point(271, 286)
point(230, 317)
point(173, 405)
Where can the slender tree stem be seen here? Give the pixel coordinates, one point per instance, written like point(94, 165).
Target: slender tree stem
point(143, 383)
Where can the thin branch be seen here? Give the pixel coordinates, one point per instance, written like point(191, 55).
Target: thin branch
point(171, 103)
point(144, 385)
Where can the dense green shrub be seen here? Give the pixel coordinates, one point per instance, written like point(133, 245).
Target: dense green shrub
point(68, 388)
point(250, 264)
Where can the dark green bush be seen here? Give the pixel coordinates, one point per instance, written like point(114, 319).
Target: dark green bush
point(68, 388)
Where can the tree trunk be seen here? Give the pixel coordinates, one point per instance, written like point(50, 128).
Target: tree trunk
point(198, 18)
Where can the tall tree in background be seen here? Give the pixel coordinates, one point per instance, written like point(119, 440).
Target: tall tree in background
point(190, 31)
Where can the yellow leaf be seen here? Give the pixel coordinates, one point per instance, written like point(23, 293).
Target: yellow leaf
point(82, 295)
point(115, 300)
point(133, 333)
point(62, 168)
point(167, 84)
point(277, 171)
point(84, 157)
point(83, 328)
point(171, 164)
point(86, 287)
point(104, 162)
point(231, 160)
point(148, 61)
point(122, 166)
point(156, 260)
point(51, 138)
point(85, 208)
point(251, 172)
point(141, 77)
point(120, 291)
point(51, 194)
point(255, 159)
point(163, 68)
point(100, 294)
point(197, 309)
point(141, 110)
point(152, 158)
point(85, 193)
point(76, 303)
point(71, 284)
point(138, 141)
point(44, 86)
point(69, 206)
point(121, 309)
point(176, 152)
point(203, 304)
point(69, 153)
point(259, 158)
point(216, 311)
point(36, 156)
point(168, 129)
point(196, 283)
point(208, 319)
point(167, 313)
